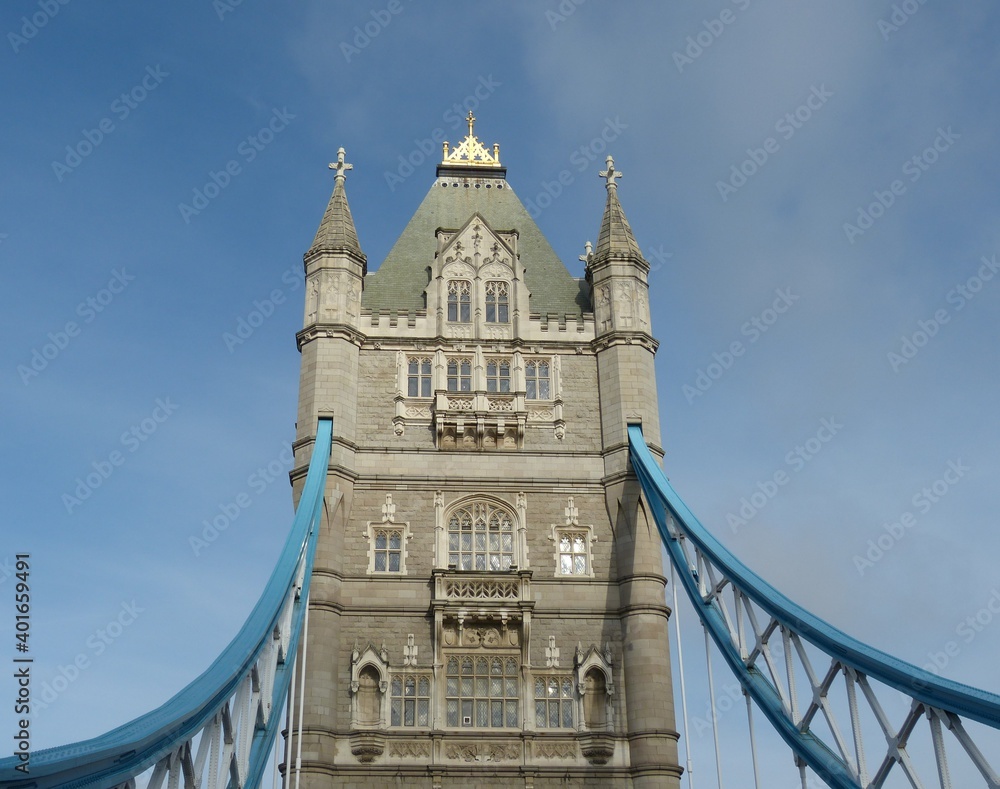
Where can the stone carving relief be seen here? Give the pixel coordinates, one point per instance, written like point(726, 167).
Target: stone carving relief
point(312, 300)
point(483, 752)
point(480, 637)
point(411, 749)
point(555, 750)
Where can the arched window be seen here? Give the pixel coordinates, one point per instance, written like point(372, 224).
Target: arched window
point(554, 702)
point(418, 377)
point(411, 700)
point(459, 375)
point(482, 692)
point(459, 300)
point(498, 375)
point(481, 537)
point(536, 375)
point(497, 302)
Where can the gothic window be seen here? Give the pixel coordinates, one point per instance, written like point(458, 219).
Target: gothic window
point(482, 692)
point(459, 300)
point(411, 701)
point(387, 546)
point(419, 377)
point(459, 375)
point(498, 375)
point(536, 375)
point(481, 537)
point(497, 302)
point(554, 703)
point(573, 551)
point(369, 698)
point(388, 550)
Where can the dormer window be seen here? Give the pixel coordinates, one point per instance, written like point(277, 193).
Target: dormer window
point(459, 300)
point(497, 302)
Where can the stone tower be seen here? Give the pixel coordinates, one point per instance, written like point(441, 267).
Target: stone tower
point(487, 605)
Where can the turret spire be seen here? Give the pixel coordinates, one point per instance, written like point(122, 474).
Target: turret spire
point(615, 239)
point(336, 231)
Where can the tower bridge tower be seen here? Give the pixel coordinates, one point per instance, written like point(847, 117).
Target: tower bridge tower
point(487, 605)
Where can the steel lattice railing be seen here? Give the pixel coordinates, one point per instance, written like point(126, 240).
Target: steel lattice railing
point(813, 682)
point(218, 732)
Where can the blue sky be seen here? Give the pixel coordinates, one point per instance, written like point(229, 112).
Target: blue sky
point(814, 184)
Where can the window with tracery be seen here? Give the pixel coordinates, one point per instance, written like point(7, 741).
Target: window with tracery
point(482, 692)
point(388, 550)
point(481, 537)
point(410, 698)
point(573, 550)
point(554, 703)
point(418, 381)
point(536, 374)
point(459, 375)
point(459, 300)
point(497, 302)
point(498, 375)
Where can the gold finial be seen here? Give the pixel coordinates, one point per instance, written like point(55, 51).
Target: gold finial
point(340, 165)
point(471, 151)
point(610, 173)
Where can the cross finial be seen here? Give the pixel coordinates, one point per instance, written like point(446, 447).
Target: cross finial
point(471, 120)
point(611, 173)
point(340, 165)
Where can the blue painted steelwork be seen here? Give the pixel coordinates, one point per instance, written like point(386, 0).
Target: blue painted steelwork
point(918, 684)
point(115, 757)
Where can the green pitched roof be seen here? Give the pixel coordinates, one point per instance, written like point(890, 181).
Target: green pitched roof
point(399, 283)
